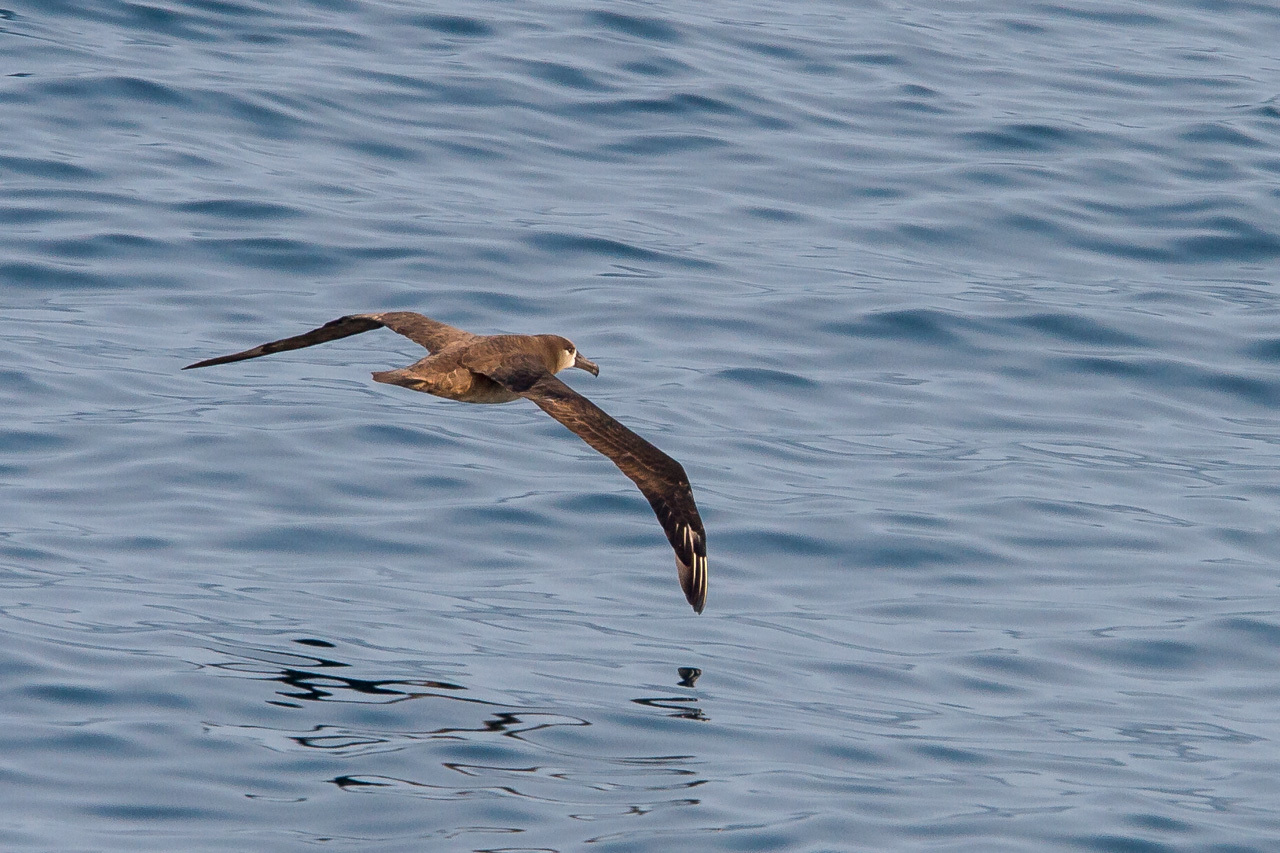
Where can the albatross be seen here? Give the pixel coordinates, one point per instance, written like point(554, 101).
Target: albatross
point(502, 368)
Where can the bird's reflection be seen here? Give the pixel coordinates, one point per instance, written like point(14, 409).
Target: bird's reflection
point(529, 753)
point(684, 707)
point(298, 672)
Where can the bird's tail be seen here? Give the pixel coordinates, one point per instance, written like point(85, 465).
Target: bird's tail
point(400, 376)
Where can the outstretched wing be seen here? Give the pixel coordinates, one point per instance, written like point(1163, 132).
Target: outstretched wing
point(422, 330)
point(661, 479)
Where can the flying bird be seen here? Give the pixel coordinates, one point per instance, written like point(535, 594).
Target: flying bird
point(502, 368)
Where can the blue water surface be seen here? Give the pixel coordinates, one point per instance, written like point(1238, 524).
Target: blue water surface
point(962, 318)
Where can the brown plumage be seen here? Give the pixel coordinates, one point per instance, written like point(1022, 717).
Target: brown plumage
point(501, 368)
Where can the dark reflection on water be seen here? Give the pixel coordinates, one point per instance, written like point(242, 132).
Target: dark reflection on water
point(313, 686)
point(683, 707)
point(531, 765)
point(516, 725)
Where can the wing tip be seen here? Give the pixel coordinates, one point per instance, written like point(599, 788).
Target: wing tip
point(343, 327)
point(694, 580)
point(208, 362)
point(693, 574)
point(228, 359)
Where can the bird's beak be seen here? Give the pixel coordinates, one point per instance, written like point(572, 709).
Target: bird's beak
point(587, 365)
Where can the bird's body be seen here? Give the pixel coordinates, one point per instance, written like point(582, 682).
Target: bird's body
point(503, 368)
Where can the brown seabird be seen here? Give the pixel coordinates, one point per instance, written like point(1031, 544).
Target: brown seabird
point(501, 368)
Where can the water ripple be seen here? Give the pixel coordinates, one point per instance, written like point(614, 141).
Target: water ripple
point(961, 320)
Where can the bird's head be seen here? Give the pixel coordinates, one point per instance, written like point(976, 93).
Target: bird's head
point(566, 355)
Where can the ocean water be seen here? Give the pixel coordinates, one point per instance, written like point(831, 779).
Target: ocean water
point(962, 317)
